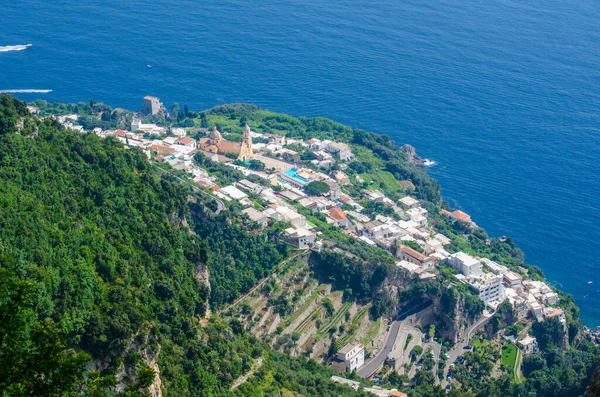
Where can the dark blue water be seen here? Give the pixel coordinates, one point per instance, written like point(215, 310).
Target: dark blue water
point(504, 94)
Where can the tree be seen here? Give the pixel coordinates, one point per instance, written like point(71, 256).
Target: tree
point(416, 352)
point(33, 358)
point(256, 165)
point(316, 188)
point(550, 332)
point(431, 332)
point(175, 110)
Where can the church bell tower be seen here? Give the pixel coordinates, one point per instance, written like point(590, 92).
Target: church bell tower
point(246, 149)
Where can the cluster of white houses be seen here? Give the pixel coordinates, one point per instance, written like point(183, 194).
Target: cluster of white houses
point(500, 284)
point(407, 234)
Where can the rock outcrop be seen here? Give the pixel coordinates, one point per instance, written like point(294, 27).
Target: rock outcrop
point(594, 388)
point(411, 155)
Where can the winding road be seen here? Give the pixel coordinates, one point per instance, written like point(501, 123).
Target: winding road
point(377, 362)
point(459, 348)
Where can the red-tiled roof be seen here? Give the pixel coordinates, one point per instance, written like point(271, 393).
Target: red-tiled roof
point(337, 214)
point(164, 150)
point(414, 253)
point(185, 140)
point(461, 216)
point(120, 133)
point(345, 198)
point(556, 312)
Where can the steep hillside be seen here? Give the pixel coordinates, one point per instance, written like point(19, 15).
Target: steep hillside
point(98, 286)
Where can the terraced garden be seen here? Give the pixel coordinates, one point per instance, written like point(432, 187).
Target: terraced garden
point(337, 317)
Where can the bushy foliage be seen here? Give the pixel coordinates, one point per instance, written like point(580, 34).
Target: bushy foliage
point(93, 256)
point(316, 188)
point(237, 260)
point(348, 274)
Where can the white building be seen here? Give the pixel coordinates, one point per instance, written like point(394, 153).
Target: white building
point(494, 267)
point(285, 214)
point(178, 132)
point(465, 264)
point(233, 192)
point(528, 345)
point(256, 216)
point(513, 280)
point(138, 126)
point(409, 202)
point(340, 149)
point(301, 237)
point(490, 288)
point(248, 186)
point(353, 356)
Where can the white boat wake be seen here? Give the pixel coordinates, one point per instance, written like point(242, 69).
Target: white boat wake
point(14, 47)
point(25, 91)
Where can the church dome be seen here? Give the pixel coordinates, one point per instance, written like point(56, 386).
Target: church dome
point(215, 134)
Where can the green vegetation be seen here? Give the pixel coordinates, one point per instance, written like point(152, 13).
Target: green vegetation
point(509, 356)
point(316, 188)
point(337, 317)
point(236, 259)
point(289, 320)
point(90, 114)
point(93, 257)
point(372, 333)
point(409, 337)
point(103, 257)
point(349, 275)
point(35, 361)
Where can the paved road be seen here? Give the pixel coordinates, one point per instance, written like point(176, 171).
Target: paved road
point(416, 340)
point(459, 348)
point(436, 348)
point(376, 363)
point(517, 367)
point(372, 366)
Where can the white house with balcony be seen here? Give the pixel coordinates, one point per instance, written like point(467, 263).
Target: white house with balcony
point(353, 356)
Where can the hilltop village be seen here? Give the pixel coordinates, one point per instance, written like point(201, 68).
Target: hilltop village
point(324, 199)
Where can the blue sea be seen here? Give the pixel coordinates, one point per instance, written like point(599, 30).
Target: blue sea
point(504, 95)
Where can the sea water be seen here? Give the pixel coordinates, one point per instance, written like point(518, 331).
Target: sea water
point(504, 95)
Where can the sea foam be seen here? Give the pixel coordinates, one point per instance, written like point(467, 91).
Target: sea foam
point(26, 91)
point(20, 47)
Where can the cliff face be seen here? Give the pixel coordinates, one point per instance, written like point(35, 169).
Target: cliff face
point(594, 389)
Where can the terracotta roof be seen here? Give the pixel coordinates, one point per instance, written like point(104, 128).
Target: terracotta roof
point(396, 393)
point(461, 216)
point(337, 214)
point(414, 253)
point(345, 198)
point(164, 150)
point(223, 146)
point(120, 133)
point(185, 140)
point(556, 312)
